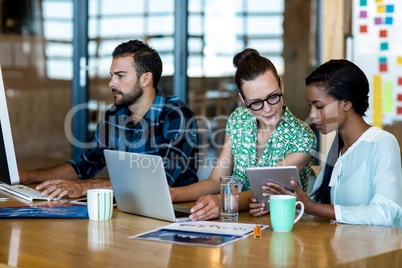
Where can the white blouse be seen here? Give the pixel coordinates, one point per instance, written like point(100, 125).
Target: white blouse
point(366, 182)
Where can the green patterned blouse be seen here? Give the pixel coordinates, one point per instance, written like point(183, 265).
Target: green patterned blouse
point(291, 136)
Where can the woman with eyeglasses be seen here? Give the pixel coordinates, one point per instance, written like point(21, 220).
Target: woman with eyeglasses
point(263, 133)
point(361, 182)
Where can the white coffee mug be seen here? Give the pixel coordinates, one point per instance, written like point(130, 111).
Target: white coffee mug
point(100, 204)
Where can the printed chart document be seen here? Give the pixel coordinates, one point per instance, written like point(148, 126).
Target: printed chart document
point(200, 233)
point(210, 227)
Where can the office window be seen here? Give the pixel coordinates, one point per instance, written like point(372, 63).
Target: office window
point(112, 22)
point(217, 30)
point(221, 28)
point(58, 36)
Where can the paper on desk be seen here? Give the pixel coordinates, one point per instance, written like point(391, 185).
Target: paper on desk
point(188, 238)
point(210, 227)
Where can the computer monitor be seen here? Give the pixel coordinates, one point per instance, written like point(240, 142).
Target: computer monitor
point(8, 162)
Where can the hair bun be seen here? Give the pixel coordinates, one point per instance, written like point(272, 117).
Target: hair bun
point(246, 54)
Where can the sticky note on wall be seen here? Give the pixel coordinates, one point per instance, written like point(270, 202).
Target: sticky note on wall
point(383, 33)
point(383, 67)
point(380, 9)
point(389, 20)
point(399, 60)
point(389, 8)
point(377, 101)
point(388, 97)
point(384, 46)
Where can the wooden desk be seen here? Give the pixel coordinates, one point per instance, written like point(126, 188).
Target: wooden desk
point(313, 242)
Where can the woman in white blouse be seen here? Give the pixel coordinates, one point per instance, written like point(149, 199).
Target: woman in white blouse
point(361, 180)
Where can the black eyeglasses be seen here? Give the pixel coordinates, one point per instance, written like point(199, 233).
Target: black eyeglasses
point(271, 100)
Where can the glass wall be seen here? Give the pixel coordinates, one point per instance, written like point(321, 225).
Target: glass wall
point(220, 29)
point(114, 21)
point(58, 35)
point(36, 56)
point(217, 30)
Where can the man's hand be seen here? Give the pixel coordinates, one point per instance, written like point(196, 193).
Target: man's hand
point(206, 207)
point(59, 188)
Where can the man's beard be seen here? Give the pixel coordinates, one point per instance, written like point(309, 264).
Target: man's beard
point(130, 98)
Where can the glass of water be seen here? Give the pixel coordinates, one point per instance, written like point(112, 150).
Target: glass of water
point(229, 198)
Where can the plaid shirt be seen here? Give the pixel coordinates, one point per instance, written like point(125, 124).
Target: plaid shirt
point(169, 129)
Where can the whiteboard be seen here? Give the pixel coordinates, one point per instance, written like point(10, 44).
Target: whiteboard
point(377, 50)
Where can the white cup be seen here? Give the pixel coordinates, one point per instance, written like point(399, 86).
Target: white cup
point(100, 204)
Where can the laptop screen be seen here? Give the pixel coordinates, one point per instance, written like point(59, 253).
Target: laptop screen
point(8, 163)
point(4, 172)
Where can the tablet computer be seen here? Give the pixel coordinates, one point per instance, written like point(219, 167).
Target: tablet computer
point(83, 202)
point(259, 176)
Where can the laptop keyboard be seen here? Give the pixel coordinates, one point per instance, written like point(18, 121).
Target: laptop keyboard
point(23, 191)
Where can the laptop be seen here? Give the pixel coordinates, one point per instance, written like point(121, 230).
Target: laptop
point(140, 186)
point(9, 178)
